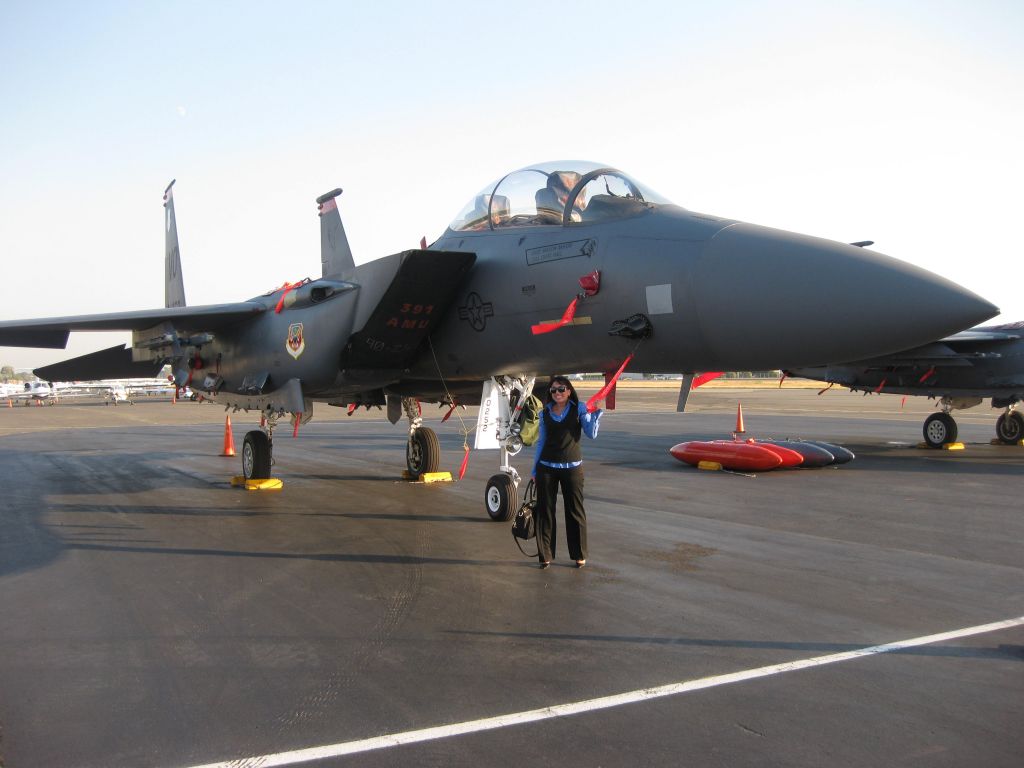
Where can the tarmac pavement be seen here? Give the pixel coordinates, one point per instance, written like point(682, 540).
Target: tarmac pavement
point(153, 615)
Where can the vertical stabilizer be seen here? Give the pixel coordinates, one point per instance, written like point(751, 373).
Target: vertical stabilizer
point(335, 254)
point(174, 286)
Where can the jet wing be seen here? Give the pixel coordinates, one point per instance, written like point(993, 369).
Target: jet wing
point(113, 363)
point(52, 332)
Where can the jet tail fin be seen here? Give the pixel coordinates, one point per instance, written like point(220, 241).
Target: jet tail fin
point(335, 253)
point(174, 285)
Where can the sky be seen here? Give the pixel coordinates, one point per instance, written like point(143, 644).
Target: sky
point(898, 122)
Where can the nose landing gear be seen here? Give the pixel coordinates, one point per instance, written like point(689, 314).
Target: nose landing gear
point(498, 427)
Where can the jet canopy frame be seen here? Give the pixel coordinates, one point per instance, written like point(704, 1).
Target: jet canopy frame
point(556, 193)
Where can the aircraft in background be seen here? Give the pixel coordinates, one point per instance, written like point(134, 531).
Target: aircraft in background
point(112, 390)
point(117, 393)
point(559, 266)
point(29, 392)
point(960, 370)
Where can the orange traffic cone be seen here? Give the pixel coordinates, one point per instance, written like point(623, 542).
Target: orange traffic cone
point(229, 439)
point(739, 419)
point(10, 403)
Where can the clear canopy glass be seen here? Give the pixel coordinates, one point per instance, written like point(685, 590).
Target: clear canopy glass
point(556, 193)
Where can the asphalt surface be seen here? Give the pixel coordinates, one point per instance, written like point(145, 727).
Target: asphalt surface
point(154, 616)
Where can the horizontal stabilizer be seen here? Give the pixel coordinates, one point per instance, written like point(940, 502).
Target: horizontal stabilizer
point(113, 363)
point(412, 307)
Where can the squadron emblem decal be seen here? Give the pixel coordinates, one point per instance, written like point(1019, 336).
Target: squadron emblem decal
point(296, 343)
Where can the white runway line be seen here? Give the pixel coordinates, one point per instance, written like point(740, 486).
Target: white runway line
point(297, 756)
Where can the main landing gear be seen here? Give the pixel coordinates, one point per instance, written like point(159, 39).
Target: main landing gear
point(1010, 427)
point(258, 448)
point(257, 455)
point(423, 451)
point(940, 428)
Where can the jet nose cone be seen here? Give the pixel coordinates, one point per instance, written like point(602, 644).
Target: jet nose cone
point(792, 297)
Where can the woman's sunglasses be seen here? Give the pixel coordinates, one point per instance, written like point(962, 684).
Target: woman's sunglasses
point(559, 390)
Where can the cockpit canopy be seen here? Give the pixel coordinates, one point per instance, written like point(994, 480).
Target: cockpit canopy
point(557, 193)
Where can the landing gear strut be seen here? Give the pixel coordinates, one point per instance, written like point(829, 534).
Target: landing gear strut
point(501, 496)
point(258, 448)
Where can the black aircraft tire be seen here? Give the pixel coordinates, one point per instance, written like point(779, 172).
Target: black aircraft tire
point(939, 429)
point(500, 497)
point(423, 452)
point(256, 455)
point(1010, 428)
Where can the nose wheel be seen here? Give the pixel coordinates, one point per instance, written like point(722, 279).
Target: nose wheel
point(501, 497)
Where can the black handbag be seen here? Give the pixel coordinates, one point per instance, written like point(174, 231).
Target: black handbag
point(523, 525)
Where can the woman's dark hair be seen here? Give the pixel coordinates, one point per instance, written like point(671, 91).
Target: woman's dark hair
point(565, 383)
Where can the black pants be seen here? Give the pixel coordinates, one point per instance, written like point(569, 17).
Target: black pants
point(571, 482)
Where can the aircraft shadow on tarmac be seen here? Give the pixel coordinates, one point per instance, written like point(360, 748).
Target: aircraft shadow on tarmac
point(1000, 652)
point(325, 557)
point(407, 518)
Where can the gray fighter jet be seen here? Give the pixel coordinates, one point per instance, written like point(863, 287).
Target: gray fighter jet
point(577, 247)
point(960, 370)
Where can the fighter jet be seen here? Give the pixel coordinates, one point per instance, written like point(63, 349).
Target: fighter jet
point(960, 370)
point(563, 266)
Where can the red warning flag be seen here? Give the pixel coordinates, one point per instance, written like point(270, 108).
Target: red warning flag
point(591, 284)
point(704, 378)
point(280, 302)
point(567, 316)
point(465, 462)
point(928, 375)
point(602, 393)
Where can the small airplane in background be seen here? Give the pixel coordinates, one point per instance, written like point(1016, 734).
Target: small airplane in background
point(117, 393)
point(960, 370)
point(35, 392)
point(563, 266)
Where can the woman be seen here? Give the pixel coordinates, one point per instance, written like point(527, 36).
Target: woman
point(559, 463)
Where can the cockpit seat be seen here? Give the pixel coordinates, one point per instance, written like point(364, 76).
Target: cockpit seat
point(549, 210)
point(499, 210)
